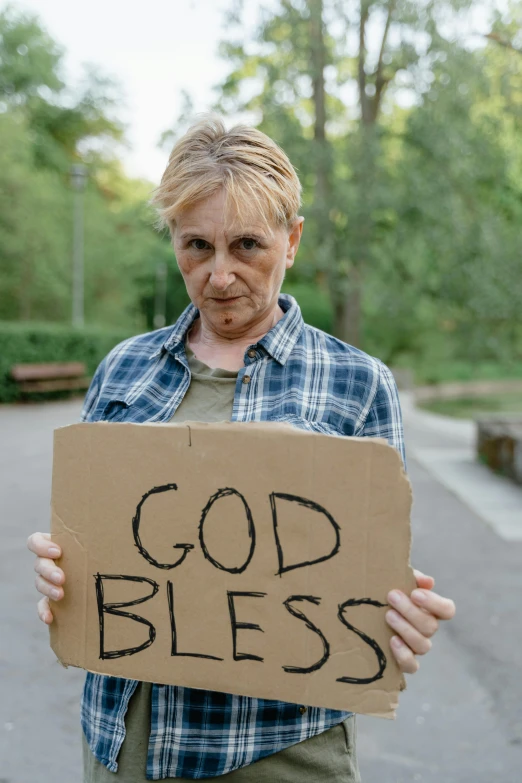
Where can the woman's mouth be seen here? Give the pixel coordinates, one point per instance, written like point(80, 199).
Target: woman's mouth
point(228, 301)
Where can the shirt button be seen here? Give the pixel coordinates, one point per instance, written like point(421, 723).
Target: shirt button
point(246, 378)
point(302, 710)
point(251, 353)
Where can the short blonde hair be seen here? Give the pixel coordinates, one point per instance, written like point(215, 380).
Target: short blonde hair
point(258, 178)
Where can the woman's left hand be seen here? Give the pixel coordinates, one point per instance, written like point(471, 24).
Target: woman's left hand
point(415, 619)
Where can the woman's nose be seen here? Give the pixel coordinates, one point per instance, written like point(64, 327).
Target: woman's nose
point(221, 276)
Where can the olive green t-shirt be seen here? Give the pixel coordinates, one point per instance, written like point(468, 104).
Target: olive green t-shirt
point(210, 396)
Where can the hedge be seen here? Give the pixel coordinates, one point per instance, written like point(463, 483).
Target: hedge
point(32, 342)
point(314, 303)
point(28, 343)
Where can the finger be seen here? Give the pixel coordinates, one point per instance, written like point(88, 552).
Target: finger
point(415, 640)
point(41, 545)
point(427, 582)
point(49, 570)
point(435, 604)
point(44, 611)
point(408, 664)
point(424, 622)
point(46, 588)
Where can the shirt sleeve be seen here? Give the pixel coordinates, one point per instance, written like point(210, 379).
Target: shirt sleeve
point(93, 391)
point(384, 418)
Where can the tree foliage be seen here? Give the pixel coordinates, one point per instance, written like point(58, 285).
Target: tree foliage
point(45, 126)
point(410, 160)
point(406, 135)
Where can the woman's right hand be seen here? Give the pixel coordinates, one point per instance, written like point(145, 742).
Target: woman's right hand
point(49, 577)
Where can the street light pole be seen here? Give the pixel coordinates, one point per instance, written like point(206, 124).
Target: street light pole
point(160, 298)
point(78, 182)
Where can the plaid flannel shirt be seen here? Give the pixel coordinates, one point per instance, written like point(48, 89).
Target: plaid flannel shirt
point(300, 375)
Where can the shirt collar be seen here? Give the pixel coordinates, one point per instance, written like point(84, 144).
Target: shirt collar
point(278, 342)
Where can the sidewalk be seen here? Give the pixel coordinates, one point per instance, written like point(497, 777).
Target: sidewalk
point(445, 447)
point(460, 720)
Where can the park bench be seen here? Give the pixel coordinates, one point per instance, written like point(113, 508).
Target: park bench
point(51, 376)
point(499, 443)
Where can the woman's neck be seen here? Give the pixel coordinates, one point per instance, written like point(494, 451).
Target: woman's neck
point(227, 353)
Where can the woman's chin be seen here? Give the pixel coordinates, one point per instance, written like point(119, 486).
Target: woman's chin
point(228, 315)
point(226, 319)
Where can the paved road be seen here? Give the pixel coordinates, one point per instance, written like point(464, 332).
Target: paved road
point(460, 721)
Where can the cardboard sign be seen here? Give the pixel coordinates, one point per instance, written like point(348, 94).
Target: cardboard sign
point(247, 558)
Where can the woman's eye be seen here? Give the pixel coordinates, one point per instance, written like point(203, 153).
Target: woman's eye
point(246, 244)
point(199, 244)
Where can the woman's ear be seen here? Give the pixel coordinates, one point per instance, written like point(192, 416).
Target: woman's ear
point(294, 237)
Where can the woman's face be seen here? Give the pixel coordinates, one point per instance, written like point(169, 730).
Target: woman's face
point(232, 276)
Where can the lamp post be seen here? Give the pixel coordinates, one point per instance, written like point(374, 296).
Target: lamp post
point(160, 298)
point(78, 182)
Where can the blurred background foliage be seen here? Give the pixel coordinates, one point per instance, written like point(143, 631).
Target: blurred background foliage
point(406, 137)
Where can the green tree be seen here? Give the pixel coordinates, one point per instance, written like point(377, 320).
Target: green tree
point(33, 247)
point(294, 78)
point(41, 134)
point(451, 238)
point(30, 81)
point(412, 213)
point(29, 58)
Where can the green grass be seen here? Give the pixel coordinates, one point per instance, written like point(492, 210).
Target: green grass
point(468, 407)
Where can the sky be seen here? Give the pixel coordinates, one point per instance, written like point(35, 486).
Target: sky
point(154, 49)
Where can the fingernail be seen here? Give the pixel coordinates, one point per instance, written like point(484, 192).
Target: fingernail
point(55, 593)
point(395, 598)
point(53, 551)
point(56, 577)
point(396, 642)
point(419, 596)
point(391, 615)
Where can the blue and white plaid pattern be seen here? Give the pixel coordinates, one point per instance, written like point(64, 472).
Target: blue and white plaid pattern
point(299, 375)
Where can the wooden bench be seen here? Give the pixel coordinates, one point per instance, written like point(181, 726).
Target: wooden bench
point(50, 377)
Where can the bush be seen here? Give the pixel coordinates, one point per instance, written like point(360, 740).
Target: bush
point(314, 303)
point(34, 343)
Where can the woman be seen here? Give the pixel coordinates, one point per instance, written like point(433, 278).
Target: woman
point(240, 351)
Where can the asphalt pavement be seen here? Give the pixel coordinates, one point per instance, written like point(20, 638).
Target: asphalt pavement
point(459, 721)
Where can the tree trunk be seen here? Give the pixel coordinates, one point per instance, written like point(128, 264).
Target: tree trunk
point(346, 285)
point(318, 63)
point(347, 311)
point(322, 153)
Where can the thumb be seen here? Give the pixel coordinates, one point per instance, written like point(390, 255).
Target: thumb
point(424, 581)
